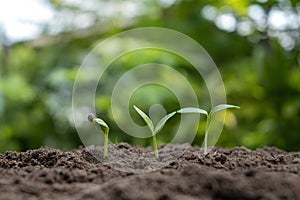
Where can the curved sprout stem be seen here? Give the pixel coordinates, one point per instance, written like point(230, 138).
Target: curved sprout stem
point(104, 127)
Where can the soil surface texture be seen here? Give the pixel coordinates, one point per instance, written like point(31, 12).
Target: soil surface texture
point(134, 173)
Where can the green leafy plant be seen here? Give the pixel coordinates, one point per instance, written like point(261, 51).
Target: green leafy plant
point(157, 128)
point(208, 115)
point(103, 126)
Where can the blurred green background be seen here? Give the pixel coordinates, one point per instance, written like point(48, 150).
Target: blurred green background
point(255, 45)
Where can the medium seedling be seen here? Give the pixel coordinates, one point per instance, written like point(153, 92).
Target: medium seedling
point(104, 127)
point(157, 128)
point(208, 117)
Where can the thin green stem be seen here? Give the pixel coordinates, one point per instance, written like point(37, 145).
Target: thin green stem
point(105, 152)
point(155, 145)
point(206, 134)
point(205, 143)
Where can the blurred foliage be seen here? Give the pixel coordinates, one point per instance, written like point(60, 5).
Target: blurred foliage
point(259, 63)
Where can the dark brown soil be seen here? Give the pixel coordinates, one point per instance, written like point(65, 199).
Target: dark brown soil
point(237, 173)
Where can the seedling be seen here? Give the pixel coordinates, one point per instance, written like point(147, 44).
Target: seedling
point(103, 126)
point(208, 117)
point(157, 128)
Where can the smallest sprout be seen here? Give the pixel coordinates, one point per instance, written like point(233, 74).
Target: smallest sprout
point(104, 127)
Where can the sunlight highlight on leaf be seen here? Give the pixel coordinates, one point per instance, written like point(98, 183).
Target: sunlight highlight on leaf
point(163, 121)
point(222, 107)
point(145, 118)
point(192, 110)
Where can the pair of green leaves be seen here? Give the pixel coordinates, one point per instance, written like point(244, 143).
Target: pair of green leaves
point(148, 121)
point(157, 128)
point(208, 117)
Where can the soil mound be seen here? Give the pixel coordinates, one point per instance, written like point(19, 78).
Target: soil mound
point(236, 173)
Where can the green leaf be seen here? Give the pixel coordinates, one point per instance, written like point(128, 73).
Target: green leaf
point(192, 110)
point(163, 121)
point(222, 107)
point(145, 118)
point(100, 122)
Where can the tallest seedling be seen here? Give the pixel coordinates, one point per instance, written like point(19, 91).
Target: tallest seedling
point(209, 117)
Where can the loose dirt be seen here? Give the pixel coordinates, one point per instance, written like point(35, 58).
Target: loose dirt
point(134, 173)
